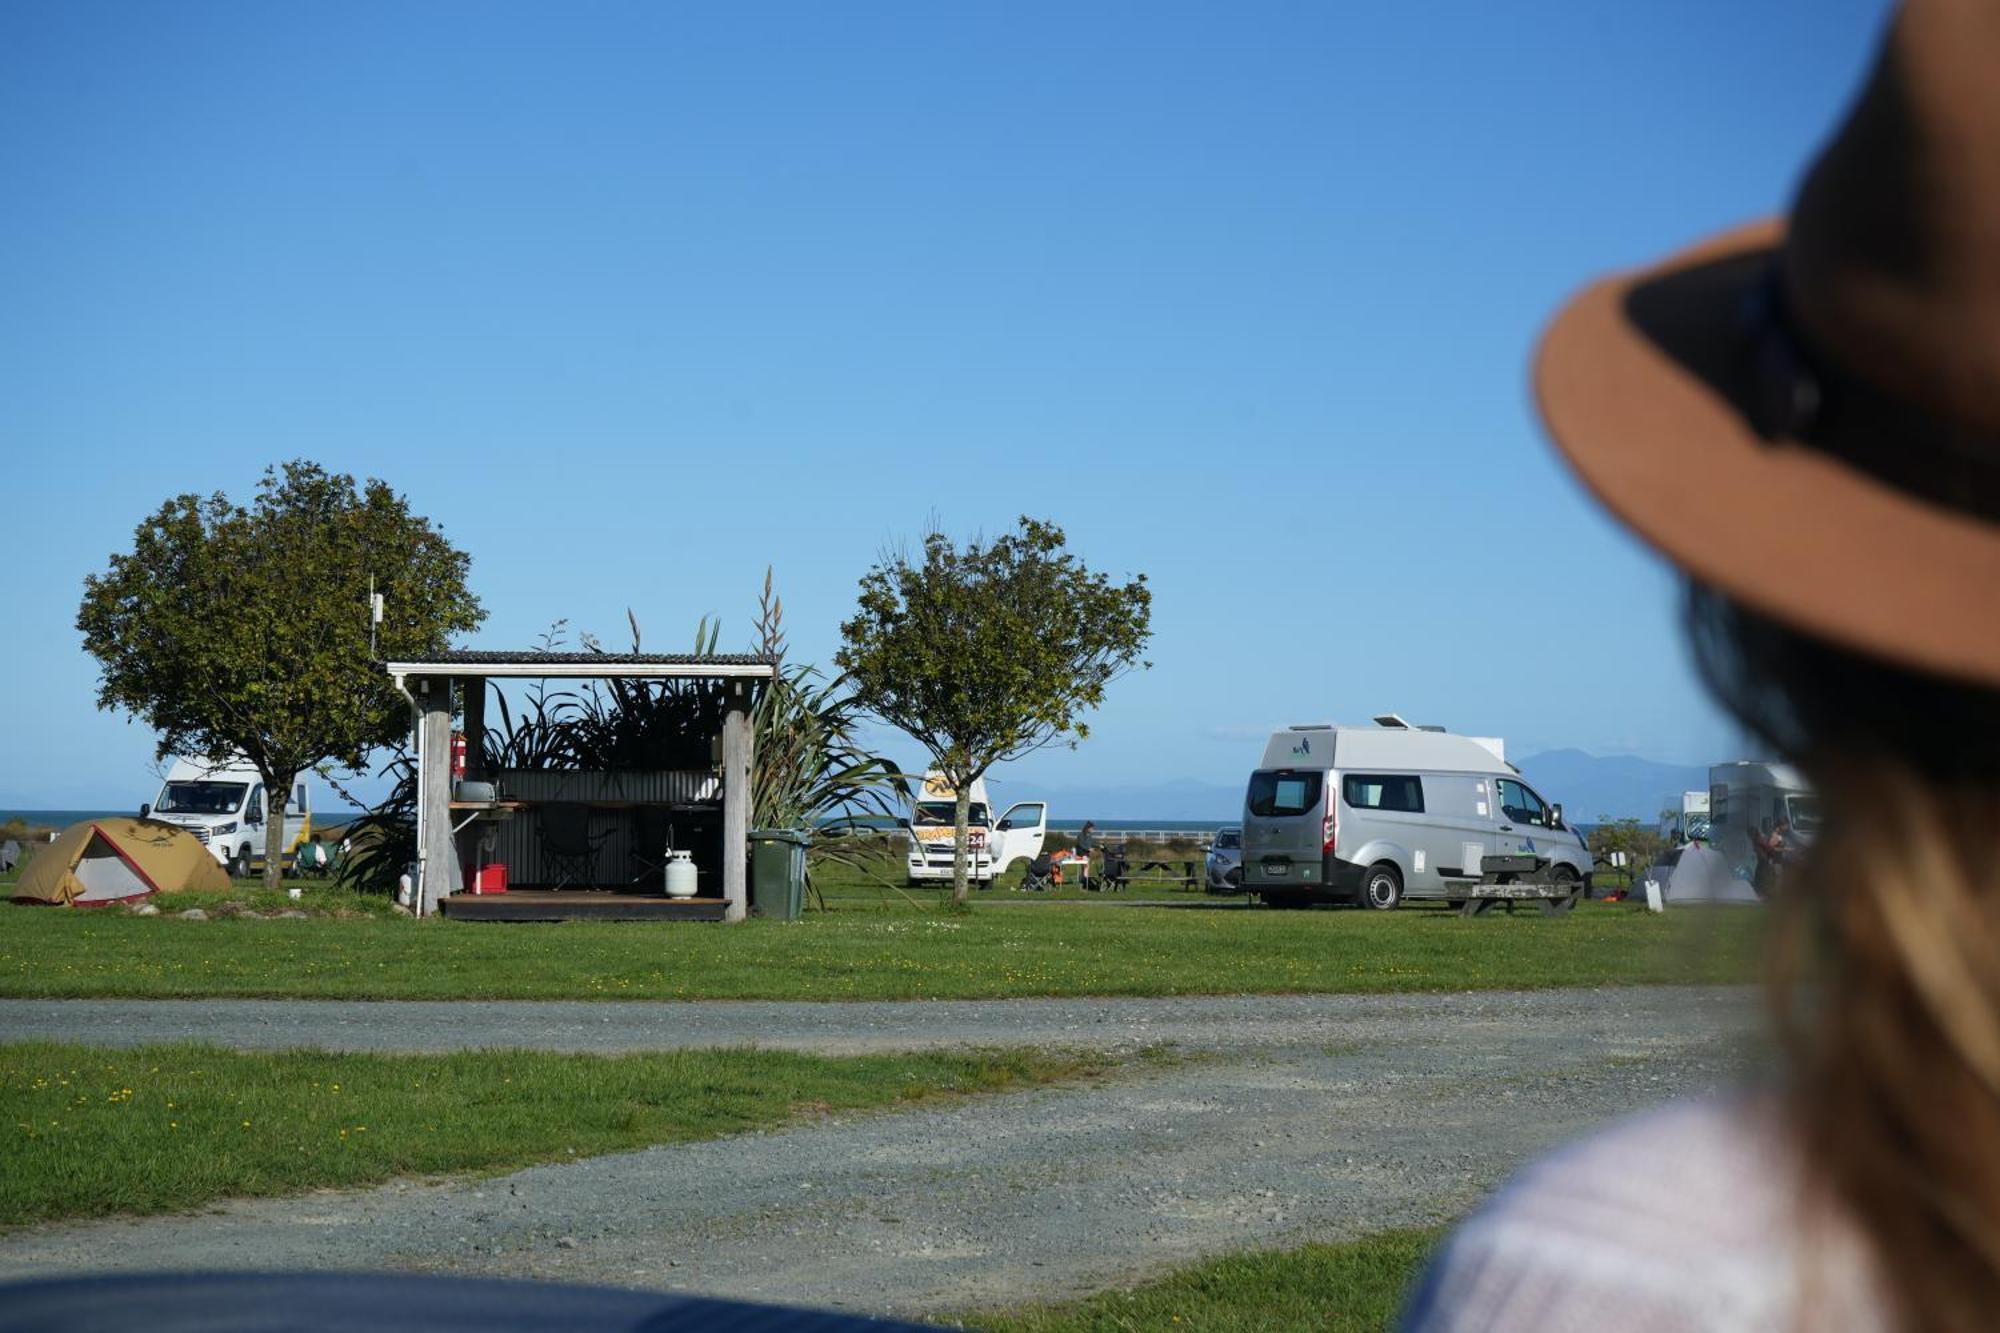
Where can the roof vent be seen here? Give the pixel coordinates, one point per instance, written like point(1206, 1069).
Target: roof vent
point(1392, 720)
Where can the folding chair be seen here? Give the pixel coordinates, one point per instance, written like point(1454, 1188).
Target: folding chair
point(569, 848)
point(652, 839)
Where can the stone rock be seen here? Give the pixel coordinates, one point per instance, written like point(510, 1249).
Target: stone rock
point(145, 909)
point(194, 914)
point(290, 916)
point(566, 1242)
point(234, 909)
point(400, 910)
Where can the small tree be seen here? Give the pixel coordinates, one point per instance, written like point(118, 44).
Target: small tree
point(1642, 846)
point(214, 628)
point(989, 652)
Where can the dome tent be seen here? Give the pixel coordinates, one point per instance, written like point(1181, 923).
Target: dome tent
point(117, 860)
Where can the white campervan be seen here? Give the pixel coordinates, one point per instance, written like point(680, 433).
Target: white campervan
point(225, 807)
point(1379, 814)
point(994, 846)
point(1753, 796)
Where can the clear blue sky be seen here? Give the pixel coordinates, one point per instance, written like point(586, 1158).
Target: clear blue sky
point(634, 299)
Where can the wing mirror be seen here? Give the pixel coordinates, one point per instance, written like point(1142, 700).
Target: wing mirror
point(145, 809)
point(1004, 825)
point(1556, 813)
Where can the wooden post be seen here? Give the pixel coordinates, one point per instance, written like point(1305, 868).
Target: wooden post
point(736, 761)
point(474, 690)
point(438, 854)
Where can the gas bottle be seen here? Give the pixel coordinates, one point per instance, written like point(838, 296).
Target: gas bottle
point(681, 875)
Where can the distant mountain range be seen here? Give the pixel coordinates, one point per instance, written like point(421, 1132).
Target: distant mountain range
point(1618, 785)
point(1589, 787)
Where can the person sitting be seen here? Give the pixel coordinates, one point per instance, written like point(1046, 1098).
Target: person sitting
point(312, 858)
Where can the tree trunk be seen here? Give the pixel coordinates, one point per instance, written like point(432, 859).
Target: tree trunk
point(277, 793)
point(960, 868)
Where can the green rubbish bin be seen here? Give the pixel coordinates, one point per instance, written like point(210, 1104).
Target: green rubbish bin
point(778, 872)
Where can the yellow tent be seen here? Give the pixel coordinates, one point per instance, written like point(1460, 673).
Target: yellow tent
point(117, 860)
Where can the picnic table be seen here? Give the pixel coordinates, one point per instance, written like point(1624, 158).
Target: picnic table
point(1122, 869)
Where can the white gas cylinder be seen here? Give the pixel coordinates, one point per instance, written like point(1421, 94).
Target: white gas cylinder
point(681, 875)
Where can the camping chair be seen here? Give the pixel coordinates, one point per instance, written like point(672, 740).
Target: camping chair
point(1113, 874)
point(1039, 877)
point(569, 848)
point(652, 839)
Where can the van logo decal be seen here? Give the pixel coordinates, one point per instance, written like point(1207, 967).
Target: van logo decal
point(1305, 746)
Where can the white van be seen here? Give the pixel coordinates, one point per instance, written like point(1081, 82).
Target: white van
point(224, 807)
point(994, 845)
point(1378, 814)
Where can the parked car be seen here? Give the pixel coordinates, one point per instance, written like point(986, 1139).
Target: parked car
point(1225, 860)
point(1374, 815)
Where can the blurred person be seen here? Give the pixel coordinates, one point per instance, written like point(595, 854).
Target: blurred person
point(1837, 377)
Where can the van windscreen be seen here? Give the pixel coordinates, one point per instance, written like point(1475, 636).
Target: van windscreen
point(200, 798)
point(935, 814)
point(1279, 792)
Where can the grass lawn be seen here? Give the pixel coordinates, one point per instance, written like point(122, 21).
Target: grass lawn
point(86, 1131)
point(1045, 949)
point(1346, 1288)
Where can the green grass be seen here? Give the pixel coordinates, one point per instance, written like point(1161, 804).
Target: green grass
point(1050, 949)
point(86, 1131)
point(1345, 1288)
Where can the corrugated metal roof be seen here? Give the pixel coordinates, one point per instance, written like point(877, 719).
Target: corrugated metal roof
point(472, 662)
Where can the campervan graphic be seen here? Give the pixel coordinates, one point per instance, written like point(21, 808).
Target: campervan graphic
point(1378, 814)
point(991, 846)
point(224, 807)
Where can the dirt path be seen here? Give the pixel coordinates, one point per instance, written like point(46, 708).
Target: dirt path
point(1207, 1023)
point(1304, 1118)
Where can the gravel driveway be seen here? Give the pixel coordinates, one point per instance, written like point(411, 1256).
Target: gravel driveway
point(1300, 1117)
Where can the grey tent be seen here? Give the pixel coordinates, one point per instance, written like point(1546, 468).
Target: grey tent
point(10, 854)
point(1697, 873)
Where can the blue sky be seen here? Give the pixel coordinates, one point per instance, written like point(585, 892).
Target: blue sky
point(635, 299)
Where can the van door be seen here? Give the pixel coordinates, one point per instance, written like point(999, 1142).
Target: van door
point(1284, 828)
point(298, 818)
point(1019, 834)
point(1465, 811)
point(1526, 822)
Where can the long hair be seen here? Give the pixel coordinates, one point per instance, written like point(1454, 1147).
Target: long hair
point(1885, 959)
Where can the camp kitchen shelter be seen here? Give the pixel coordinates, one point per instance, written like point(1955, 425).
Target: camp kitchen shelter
point(454, 834)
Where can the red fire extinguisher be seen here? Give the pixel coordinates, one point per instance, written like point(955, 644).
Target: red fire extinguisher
point(457, 755)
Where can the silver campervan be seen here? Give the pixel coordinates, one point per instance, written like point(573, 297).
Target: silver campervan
point(1378, 814)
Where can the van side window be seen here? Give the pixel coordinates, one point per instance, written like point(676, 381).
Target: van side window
point(299, 798)
point(1521, 805)
point(1378, 791)
point(253, 809)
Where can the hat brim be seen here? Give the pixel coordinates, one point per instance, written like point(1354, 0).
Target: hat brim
point(1642, 382)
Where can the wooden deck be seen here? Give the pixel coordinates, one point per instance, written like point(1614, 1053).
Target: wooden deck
point(577, 905)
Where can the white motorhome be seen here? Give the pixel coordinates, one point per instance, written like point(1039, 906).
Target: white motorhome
point(1752, 795)
point(1378, 814)
point(1684, 819)
point(994, 846)
point(224, 806)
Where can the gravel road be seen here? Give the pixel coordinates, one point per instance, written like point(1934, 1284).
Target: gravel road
point(1300, 1117)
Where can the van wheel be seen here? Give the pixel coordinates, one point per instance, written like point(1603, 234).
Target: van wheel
point(1564, 880)
point(1382, 888)
point(241, 867)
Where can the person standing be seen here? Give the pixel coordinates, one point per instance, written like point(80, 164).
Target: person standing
point(1834, 379)
point(1086, 843)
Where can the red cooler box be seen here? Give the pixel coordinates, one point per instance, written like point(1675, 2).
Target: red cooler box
point(486, 879)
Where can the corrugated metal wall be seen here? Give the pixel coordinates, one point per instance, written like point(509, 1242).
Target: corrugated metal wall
point(516, 842)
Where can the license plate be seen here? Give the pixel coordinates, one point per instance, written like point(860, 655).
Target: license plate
point(1275, 868)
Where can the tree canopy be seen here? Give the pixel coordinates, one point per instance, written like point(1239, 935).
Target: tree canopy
point(235, 630)
point(988, 651)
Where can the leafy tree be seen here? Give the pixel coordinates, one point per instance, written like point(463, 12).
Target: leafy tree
point(213, 630)
point(988, 652)
point(1641, 845)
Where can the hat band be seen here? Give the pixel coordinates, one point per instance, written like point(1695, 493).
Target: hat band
point(1799, 395)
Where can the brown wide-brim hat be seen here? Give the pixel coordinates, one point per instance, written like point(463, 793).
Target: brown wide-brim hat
point(1805, 414)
